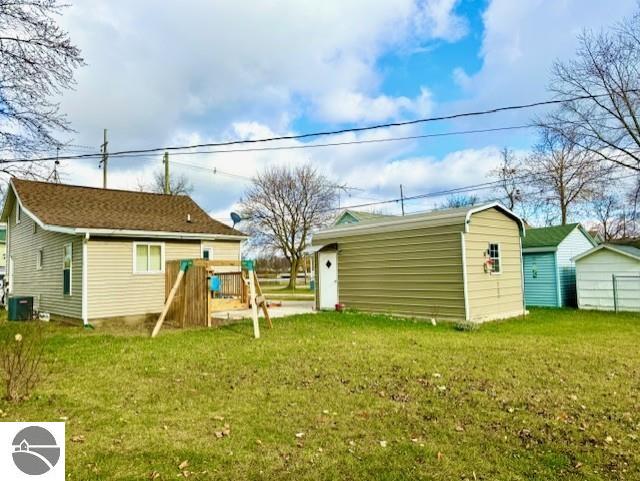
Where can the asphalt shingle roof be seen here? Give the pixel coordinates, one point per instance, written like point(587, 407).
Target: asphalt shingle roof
point(89, 207)
point(546, 236)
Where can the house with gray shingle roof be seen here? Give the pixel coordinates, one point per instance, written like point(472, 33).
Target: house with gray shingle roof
point(91, 254)
point(549, 272)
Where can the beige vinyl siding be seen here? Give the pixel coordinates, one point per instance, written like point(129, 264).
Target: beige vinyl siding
point(412, 272)
point(114, 290)
point(492, 296)
point(224, 251)
point(45, 284)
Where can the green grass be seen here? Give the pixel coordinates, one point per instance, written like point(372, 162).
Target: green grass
point(555, 396)
point(279, 292)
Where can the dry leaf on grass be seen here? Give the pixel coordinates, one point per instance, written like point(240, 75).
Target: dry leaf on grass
point(183, 465)
point(77, 439)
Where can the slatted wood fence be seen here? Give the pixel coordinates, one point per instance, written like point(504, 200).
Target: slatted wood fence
point(191, 304)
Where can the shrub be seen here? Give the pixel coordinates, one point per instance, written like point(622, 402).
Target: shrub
point(20, 362)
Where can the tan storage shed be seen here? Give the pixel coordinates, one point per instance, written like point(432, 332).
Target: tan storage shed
point(454, 264)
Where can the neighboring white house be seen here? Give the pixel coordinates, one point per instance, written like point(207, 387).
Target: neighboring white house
point(608, 278)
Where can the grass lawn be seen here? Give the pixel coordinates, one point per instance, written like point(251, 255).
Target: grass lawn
point(348, 396)
point(276, 292)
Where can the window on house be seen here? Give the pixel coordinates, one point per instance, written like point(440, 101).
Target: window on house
point(494, 258)
point(67, 265)
point(207, 253)
point(35, 227)
point(18, 214)
point(149, 258)
point(39, 259)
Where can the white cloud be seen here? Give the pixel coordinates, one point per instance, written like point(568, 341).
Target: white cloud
point(157, 68)
point(439, 19)
point(344, 106)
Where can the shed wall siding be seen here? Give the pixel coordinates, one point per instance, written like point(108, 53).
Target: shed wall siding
point(114, 290)
point(540, 279)
point(411, 272)
point(45, 285)
point(594, 278)
point(493, 296)
point(574, 244)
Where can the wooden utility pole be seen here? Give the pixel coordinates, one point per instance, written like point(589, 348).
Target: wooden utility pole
point(402, 199)
point(165, 160)
point(104, 161)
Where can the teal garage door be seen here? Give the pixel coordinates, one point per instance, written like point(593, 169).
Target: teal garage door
point(540, 280)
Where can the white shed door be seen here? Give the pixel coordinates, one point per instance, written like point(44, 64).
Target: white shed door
point(328, 273)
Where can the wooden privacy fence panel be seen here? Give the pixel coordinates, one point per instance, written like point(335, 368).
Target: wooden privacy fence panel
point(190, 305)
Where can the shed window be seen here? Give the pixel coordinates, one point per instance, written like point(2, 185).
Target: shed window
point(148, 258)
point(39, 259)
point(494, 258)
point(67, 266)
point(207, 253)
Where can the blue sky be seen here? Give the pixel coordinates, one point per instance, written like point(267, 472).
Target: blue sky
point(168, 73)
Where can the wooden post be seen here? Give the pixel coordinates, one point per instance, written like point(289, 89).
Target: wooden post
point(167, 184)
point(105, 160)
point(254, 305)
point(263, 302)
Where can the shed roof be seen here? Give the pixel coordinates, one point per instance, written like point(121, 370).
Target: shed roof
point(72, 206)
point(459, 215)
point(548, 236)
point(623, 249)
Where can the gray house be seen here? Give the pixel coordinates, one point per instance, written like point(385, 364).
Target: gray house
point(94, 254)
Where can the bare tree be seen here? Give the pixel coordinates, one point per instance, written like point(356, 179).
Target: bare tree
point(606, 74)
point(37, 61)
point(459, 200)
point(563, 174)
point(508, 176)
point(283, 205)
point(608, 210)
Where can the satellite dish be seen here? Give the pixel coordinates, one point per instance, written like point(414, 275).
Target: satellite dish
point(235, 217)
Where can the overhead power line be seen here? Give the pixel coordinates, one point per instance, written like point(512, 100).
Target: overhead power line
point(494, 110)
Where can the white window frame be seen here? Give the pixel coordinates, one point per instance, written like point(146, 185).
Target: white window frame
point(64, 249)
point(40, 259)
point(499, 271)
point(147, 272)
point(209, 250)
point(18, 212)
point(34, 228)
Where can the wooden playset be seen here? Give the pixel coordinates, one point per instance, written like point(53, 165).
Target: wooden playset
point(200, 290)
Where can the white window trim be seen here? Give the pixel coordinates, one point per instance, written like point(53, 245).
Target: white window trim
point(162, 258)
point(206, 248)
point(493, 273)
point(70, 244)
point(18, 213)
point(40, 259)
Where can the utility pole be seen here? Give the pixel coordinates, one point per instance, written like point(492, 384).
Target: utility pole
point(402, 199)
point(165, 160)
point(104, 161)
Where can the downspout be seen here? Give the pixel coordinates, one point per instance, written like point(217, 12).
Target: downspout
point(559, 286)
point(467, 314)
point(524, 301)
point(85, 282)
